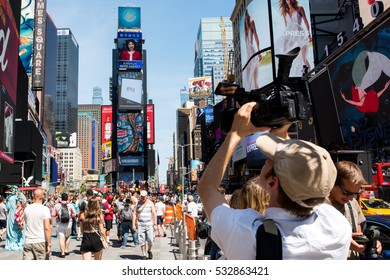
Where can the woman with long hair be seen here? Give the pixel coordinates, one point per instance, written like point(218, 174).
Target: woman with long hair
point(252, 195)
point(91, 226)
point(131, 53)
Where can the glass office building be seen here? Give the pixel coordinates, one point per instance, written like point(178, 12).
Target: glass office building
point(66, 82)
point(209, 46)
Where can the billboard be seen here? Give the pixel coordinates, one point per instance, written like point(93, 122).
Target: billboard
point(62, 139)
point(129, 46)
point(38, 74)
point(27, 24)
point(131, 160)
point(130, 91)
point(195, 167)
point(129, 18)
point(255, 36)
point(291, 29)
point(200, 87)
point(150, 123)
point(255, 159)
point(370, 9)
point(107, 150)
point(360, 80)
point(130, 133)
point(106, 123)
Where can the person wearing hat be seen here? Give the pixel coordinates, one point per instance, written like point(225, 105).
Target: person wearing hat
point(147, 224)
point(298, 176)
point(108, 215)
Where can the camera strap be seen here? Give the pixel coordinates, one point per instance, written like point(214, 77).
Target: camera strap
point(354, 229)
point(268, 242)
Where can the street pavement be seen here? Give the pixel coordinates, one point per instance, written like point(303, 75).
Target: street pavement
point(164, 248)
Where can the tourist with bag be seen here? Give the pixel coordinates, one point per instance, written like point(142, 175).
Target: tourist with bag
point(126, 216)
point(92, 228)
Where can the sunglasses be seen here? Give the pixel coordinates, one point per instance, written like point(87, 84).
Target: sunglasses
point(347, 193)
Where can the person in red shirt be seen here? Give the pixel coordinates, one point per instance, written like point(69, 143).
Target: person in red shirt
point(109, 216)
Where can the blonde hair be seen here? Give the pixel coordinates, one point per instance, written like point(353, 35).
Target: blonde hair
point(253, 196)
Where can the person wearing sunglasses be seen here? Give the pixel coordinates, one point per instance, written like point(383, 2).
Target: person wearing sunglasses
point(343, 197)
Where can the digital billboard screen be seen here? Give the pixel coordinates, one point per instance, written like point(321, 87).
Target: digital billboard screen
point(200, 87)
point(129, 18)
point(130, 133)
point(130, 94)
point(27, 23)
point(129, 50)
point(291, 29)
point(255, 36)
point(106, 123)
point(150, 123)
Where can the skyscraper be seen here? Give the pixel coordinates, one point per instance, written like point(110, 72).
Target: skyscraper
point(67, 81)
point(97, 97)
point(209, 51)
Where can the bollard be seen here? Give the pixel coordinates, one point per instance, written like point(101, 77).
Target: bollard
point(184, 244)
point(192, 250)
point(203, 257)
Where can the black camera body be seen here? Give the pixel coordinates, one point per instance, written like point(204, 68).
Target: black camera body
point(276, 105)
point(370, 239)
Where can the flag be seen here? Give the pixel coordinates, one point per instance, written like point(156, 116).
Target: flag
point(158, 159)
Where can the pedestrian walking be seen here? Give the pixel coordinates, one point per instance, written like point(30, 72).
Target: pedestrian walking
point(64, 212)
point(147, 223)
point(37, 218)
point(160, 212)
point(127, 216)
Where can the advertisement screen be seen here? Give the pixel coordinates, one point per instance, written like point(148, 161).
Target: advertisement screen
point(62, 139)
point(150, 123)
point(195, 167)
point(368, 8)
point(27, 23)
point(130, 133)
point(200, 87)
point(255, 36)
point(360, 79)
point(129, 50)
point(106, 123)
point(129, 18)
point(291, 29)
point(130, 94)
point(254, 157)
point(106, 151)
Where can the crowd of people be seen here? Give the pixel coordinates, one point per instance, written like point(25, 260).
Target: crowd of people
point(27, 225)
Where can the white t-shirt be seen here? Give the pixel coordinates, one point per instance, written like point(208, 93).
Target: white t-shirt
point(34, 215)
point(160, 208)
point(193, 209)
point(324, 234)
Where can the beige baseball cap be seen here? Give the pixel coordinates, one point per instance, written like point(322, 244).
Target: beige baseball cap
point(304, 169)
point(143, 193)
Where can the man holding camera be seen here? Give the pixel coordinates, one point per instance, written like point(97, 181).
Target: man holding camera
point(343, 195)
point(298, 176)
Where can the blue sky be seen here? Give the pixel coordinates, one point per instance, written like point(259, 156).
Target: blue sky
point(169, 28)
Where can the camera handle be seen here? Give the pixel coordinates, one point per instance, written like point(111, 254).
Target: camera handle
point(354, 229)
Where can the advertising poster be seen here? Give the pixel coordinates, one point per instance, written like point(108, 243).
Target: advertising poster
point(129, 18)
point(361, 79)
point(130, 94)
point(106, 123)
point(200, 87)
point(254, 157)
point(106, 151)
point(255, 36)
point(150, 123)
point(130, 133)
point(62, 139)
point(291, 29)
point(27, 23)
point(368, 9)
point(129, 50)
point(195, 166)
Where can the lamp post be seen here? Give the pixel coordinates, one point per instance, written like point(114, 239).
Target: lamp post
point(22, 162)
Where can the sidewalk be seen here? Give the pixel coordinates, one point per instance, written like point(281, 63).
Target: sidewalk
point(164, 248)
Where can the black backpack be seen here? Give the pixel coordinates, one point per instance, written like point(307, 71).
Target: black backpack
point(127, 215)
point(64, 213)
point(202, 229)
point(268, 242)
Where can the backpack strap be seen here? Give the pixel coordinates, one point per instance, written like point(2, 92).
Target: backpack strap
point(268, 242)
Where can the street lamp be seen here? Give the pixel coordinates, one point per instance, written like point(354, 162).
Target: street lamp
point(23, 162)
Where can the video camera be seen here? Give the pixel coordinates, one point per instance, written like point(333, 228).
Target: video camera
point(276, 105)
point(369, 238)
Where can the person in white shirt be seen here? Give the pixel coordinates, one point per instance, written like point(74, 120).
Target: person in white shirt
point(160, 212)
point(298, 176)
point(192, 207)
